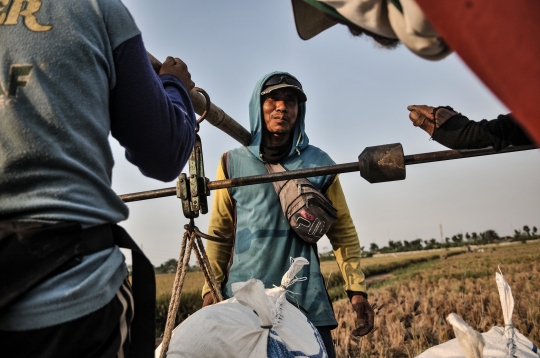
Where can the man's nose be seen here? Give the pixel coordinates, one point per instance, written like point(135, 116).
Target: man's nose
point(280, 106)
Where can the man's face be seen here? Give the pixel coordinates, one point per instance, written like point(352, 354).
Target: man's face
point(280, 110)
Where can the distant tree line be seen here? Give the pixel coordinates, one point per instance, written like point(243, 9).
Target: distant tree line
point(171, 265)
point(482, 238)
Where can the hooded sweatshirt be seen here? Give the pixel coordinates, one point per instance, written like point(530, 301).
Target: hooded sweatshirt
point(264, 240)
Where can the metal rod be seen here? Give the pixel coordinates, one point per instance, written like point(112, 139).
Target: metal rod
point(151, 194)
point(331, 169)
point(290, 174)
point(459, 154)
point(215, 116)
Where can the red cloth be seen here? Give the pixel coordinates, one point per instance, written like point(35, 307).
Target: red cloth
point(500, 41)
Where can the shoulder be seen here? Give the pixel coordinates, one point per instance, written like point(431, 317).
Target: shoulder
point(241, 153)
point(118, 21)
point(317, 155)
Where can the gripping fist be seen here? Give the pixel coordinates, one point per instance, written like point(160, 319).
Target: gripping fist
point(177, 67)
point(208, 300)
point(365, 315)
point(429, 118)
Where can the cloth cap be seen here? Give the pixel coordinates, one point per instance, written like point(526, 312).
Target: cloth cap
point(284, 84)
point(310, 19)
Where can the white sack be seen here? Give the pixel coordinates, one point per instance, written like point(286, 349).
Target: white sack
point(497, 343)
point(471, 342)
point(232, 328)
point(507, 305)
point(495, 347)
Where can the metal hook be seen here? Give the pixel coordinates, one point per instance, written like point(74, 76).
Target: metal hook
point(221, 238)
point(206, 110)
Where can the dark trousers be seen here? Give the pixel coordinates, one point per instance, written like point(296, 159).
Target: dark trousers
point(326, 336)
point(103, 333)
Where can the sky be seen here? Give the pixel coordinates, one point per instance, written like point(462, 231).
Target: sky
point(357, 97)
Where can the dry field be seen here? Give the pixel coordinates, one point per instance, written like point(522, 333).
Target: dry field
point(370, 263)
point(412, 307)
point(191, 293)
point(164, 282)
point(195, 280)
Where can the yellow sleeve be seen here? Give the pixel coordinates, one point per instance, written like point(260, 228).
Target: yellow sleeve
point(344, 240)
point(221, 219)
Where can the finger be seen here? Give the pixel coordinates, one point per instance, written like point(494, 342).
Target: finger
point(370, 316)
point(423, 109)
point(191, 85)
point(359, 332)
point(169, 61)
point(180, 63)
point(362, 331)
point(415, 116)
point(412, 107)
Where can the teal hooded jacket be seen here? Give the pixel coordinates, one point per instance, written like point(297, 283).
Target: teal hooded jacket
point(264, 241)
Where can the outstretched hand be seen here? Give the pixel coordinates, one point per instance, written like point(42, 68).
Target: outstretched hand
point(177, 67)
point(365, 315)
point(429, 118)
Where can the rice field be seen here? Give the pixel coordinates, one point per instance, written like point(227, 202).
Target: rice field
point(413, 304)
point(412, 307)
point(164, 282)
point(376, 264)
point(191, 293)
point(195, 280)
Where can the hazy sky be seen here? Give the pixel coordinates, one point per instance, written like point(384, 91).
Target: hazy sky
point(357, 97)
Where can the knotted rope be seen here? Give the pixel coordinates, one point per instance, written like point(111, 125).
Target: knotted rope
point(190, 241)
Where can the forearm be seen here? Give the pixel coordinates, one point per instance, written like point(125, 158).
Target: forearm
point(459, 132)
point(344, 240)
point(151, 117)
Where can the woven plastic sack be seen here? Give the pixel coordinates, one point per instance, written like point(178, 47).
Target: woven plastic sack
point(499, 342)
point(254, 323)
point(495, 347)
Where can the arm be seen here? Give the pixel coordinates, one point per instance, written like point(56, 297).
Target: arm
point(461, 133)
point(222, 220)
point(152, 117)
point(344, 240)
point(456, 131)
point(346, 246)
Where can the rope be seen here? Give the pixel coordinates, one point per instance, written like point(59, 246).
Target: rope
point(212, 278)
point(190, 241)
point(183, 263)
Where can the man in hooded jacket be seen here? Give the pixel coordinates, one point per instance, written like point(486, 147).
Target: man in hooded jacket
point(264, 240)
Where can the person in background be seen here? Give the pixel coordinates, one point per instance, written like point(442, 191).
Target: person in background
point(387, 22)
point(71, 73)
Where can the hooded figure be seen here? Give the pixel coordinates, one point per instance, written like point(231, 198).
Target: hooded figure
point(264, 241)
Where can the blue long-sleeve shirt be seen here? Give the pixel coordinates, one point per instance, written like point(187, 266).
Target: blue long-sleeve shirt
point(77, 73)
point(152, 119)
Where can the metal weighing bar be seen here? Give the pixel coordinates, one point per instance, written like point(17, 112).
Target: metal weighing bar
point(331, 169)
point(375, 164)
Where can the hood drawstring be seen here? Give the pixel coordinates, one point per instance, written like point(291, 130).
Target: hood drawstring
point(298, 142)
